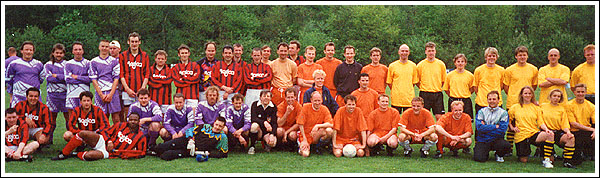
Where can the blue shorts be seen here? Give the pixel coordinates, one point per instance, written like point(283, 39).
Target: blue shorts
point(56, 102)
point(111, 107)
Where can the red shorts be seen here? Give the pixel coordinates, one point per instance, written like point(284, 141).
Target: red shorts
point(278, 95)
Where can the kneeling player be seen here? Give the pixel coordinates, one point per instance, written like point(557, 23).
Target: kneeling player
point(178, 119)
point(417, 126)
point(455, 130)
point(122, 140)
point(264, 122)
point(315, 124)
point(17, 134)
point(350, 128)
point(382, 126)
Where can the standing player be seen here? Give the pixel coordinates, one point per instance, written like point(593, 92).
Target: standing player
point(264, 122)
point(517, 76)
point(266, 54)
point(37, 116)
point(159, 84)
point(455, 131)
point(315, 124)
point(382, 126)
point(187, 76)
point(23, 73)
point(306, 69)
point(488, 77)
point(417, 126)
point(238, 50)
point(205, 64)
point(329, 64)
point(85, 117)
point(122, 140)
point(402, 76)
point(582, 117)
point(293, 49)
point(257, 77)
point(350, 127)
point(366, 97)
point(114, 51)
point(553, 76)
point(178, 118)
point(238, 122)
point(432, 73)
point(54, 71)
point(104, 72)
point(327, 98)
point(285, 73)
point(491, 123)
point(134, 64)
point(459, 85)
point(227, 75)
point(12, 55)
point(557, 120)
point(582, 73)
point(207, 111)
point(377, 71)
point(346, 74)
point(287, 114)
point(150, 116)
point(16, 136)
point(76, 76)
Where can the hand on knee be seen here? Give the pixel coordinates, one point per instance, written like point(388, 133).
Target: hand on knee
point(254, 128)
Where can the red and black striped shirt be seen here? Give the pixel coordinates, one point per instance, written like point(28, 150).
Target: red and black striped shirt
point(227, 75)
point(187, 78)
point(258, 76)
point(134, 68)
point(40, 114)
point(93, 120)
point(124, 138)
point(159, 85)
point(20, 136)
point(299, 60)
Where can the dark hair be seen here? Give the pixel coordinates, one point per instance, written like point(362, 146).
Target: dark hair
point(57, 46)
point(76, 43)
point(237, 96)
point(133, 113)
point(493, 92)
point(295, 42)
point(183, 46)
point(86, 94)
point(134, 34)
point(521, 49)
point(178, 95)
point(257, 49)
point(32, 89)
point(328, 44)
point(227, 47)
point(282, 44)
point(238, 45)
point(27, 43)
point(264, 92)
point(349, 47)
point(349, 97)
point(209, 42)
point(362, 75)
point(222, 119)
point(290, 90)
point(10, 111)
point(143, 91)
point(12, 50)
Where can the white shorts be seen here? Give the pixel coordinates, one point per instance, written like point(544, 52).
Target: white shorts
point(101, 146)
point(32, 132)
point(192, 103)
point(252, 95)
point(13, 148)
point(126, 99)
point(228, 101)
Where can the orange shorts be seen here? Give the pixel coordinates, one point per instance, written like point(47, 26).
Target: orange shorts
point(345, 141)
point(444, 141)
point(278, 95)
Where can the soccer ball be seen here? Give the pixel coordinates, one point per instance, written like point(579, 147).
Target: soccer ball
point(349, 151)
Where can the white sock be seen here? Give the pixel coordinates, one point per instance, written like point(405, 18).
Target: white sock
point(428, 144)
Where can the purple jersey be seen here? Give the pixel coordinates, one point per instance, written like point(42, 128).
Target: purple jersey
point(55, 84)
point(82, 83)
point(237, 119)
point(10, 59)
point(105, 71)
point(207, 114)
point(22, 75)
point(151, 110)
point(178, 120)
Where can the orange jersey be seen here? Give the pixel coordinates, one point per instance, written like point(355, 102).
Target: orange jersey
point(454, 126)
point(309, 118)
point(305, 72)
point(416, 123)
point(329, 67)
point(381, 122)
point(367, 100)
point(377, 76)
point(291, 118)
point(349, 125)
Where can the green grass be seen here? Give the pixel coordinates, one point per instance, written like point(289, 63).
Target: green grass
point(282, 162)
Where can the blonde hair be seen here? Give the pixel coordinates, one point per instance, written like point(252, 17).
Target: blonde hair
point(318, 72)
point(375, 49)
point(589, 47)
point(212, 88)
point(491, 50)
point(456, 103)
point(419, 99)
point(460, 55)
point(310, 47)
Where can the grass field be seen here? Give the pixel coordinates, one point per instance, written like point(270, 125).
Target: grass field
point(283, 162)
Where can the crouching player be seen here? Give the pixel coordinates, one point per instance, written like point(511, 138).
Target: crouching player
point(150, 116)
point(557, 120)
point(122, 140)
point(350, 128)
point(238, 123)
point(287, 113)
point(264, 122)
point(315, 124)
point(16, 135)
point(85, 117)
point(383, 126)
point(417, 126)
point(178, 119)
point(455, 130)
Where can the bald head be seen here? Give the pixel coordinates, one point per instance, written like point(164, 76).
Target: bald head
point(553, 56)
point(553, 50)
point(404, 51)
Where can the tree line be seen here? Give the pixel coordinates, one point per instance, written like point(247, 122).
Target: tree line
point(455, 29)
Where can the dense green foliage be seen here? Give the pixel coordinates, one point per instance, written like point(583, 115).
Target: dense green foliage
point(455, 29)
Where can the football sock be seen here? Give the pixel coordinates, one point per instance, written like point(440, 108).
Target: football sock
point(428, 144)
point(510, 137)
point(73, 143)
point(153, 137)
point(81, 155)
point(440, 146)
point(405, 145)
point(548, 149)
point(253, 138)
point(568, 153)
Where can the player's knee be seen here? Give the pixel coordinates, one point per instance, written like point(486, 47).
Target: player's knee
point(155, 126)
point(254, 128)
point(305, 153)
point(292, 136)
point(337, 152)
point(67, 136)
point(401, 137)
point(33, 145)
point(468, 142)
point(360, 152)
point(433, 137)
point(392, 142)
point(329, 131)
point(280, 132)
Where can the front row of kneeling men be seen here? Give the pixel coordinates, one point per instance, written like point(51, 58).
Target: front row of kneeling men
point(307, 128)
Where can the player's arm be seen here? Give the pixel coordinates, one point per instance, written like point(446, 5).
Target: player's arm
point(97, 88)
point(406, 131)
point(441, 130)
point(103, 119)
point(72, 124)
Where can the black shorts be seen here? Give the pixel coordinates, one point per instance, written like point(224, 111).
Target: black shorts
point(467, 108)
point(400, 109)
point(523, 148)
point(433, 101)
point(557, 135)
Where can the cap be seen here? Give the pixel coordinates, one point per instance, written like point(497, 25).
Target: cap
point(115, 43)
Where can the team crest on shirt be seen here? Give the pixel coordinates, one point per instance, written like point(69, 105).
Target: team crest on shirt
point(227, 72)
point(31, 116)
point(123, 138)
point(86, 121)
point(255, 75)
point(134, 64)
point(12, 137)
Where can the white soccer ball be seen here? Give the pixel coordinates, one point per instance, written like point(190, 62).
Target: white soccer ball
point(349, 151)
